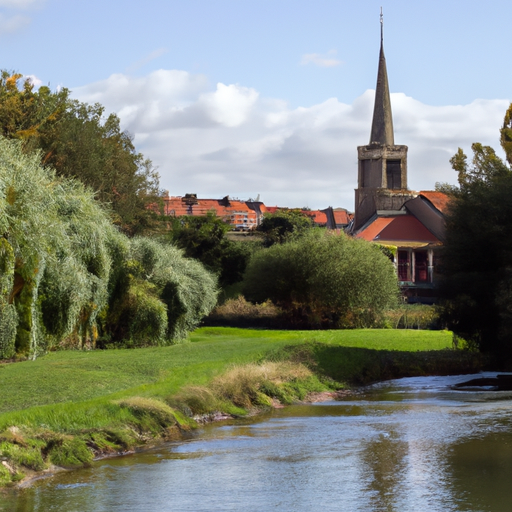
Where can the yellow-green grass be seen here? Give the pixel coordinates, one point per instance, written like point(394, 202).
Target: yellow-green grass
point(65, 405)
point(74, 376)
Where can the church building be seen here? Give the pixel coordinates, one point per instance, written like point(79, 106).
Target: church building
point(410, 224)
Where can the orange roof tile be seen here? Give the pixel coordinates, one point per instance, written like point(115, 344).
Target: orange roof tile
point(439, 199)
point(342, 217)
point(374, 228)
point(318, 217)
point(402, 228)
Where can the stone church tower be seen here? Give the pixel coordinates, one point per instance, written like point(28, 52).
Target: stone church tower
point(382, 165)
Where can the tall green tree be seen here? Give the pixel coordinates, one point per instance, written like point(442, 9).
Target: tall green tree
point(79, 141)
point(477, 257)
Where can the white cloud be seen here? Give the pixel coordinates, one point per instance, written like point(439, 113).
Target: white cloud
point(324, 61)
point(10, 24)
point(229, 105)
point(14, 22)
point(232, 141)
point(20, 4)
point(36, 82)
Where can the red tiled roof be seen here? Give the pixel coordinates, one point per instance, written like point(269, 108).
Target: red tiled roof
point(439, 199)
point(370, 232)
point(402, 228)
point(342, 217)
point(237, 213)
point(318, 217)
point(233, 210)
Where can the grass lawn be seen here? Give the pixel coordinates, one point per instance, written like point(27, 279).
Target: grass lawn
point(67, 406)
point(72, 376)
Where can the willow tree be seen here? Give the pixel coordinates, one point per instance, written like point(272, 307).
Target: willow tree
point(160, 295)
point(55, 263)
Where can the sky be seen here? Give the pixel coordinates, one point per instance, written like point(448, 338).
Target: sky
point(272, 97)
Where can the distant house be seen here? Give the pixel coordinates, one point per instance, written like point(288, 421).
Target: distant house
point(240, 215)
point(330, 218)
point(410, 223)
point(246, 215)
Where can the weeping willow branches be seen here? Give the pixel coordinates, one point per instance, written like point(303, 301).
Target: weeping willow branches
point(68, 276)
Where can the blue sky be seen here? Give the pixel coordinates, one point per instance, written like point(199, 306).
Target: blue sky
point(269, 97)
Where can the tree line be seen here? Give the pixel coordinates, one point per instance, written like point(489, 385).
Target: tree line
point(87, 260)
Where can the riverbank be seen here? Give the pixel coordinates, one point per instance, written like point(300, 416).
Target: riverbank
point(68, 408)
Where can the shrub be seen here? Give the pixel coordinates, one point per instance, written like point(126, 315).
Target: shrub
point(324, 280)
point(412, 316)
point(67, 275)
point(239, 312)
point(160, 295)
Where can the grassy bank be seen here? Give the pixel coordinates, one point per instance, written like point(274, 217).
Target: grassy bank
point(67, 407)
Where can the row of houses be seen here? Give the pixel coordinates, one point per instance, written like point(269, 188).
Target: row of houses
point(247, 215)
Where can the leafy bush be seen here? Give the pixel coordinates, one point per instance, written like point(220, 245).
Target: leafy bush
point(284, 225)
point(324, 280)
point(160, 296)
point(204, 238)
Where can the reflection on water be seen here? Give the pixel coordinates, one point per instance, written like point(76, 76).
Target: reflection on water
point(406, 445)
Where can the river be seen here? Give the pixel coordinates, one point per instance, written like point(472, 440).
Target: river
point(405, 445)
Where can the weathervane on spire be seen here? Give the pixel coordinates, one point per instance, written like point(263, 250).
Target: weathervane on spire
point(381, 26)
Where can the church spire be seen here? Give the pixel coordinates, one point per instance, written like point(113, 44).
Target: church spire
point(382, 124)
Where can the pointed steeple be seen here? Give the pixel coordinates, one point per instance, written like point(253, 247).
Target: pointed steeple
point(382, 124)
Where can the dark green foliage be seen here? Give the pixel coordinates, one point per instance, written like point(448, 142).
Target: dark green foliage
point(477, 263)
point(140, 319)
point(283, 225)
point(324, 279)
point(204, 238)
point(477, 258)
point(86, 146)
